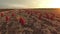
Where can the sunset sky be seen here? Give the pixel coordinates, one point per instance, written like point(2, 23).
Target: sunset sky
point(29, 3)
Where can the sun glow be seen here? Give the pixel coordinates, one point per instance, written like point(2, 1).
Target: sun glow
point(48, 4)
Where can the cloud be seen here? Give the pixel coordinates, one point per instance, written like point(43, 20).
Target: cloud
point(7, 5)
point(17, 6)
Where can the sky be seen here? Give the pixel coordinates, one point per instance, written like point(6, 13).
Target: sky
point(29, 3)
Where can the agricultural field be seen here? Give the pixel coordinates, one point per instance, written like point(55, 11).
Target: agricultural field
point(29, 21)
